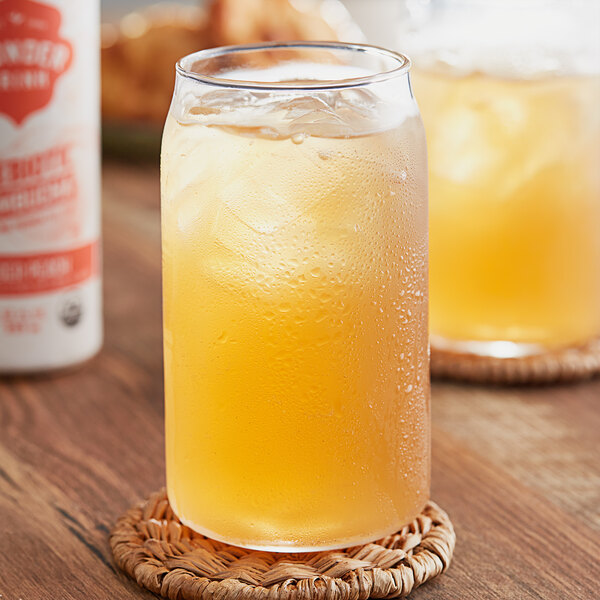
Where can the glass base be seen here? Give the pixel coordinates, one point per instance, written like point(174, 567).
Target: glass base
point(492, 349)
point(291, 547)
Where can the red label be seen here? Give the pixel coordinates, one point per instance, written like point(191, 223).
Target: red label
point(22, 320)
point(37, 273)
point(32, 56)
point(35, 183)
point(40, 190)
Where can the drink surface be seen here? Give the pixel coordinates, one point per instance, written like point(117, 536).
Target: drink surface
point(515, 206)
point(295, 313)
point(50, 296)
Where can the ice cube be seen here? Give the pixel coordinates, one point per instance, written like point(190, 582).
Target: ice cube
point(219, 101)
point(193, 210)
point(356, 101)
point(261, 205)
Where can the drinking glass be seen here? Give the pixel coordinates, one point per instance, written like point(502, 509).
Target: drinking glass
point(294, 230)
point(509, 92)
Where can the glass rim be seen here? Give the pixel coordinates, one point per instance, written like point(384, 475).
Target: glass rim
point(403, 67)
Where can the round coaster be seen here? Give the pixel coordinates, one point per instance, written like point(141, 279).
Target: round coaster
point(570, 364)
point(164, 556)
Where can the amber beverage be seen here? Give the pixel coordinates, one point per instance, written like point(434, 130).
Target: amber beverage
point(294, 221)
point(515, 208)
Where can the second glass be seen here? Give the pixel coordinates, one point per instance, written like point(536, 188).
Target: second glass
point(510, 93)
point(294, 222)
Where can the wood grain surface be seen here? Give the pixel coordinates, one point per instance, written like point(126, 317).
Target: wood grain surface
point(517, 469)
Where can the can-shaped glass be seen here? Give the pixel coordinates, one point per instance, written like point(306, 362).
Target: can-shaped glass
point(294, 235)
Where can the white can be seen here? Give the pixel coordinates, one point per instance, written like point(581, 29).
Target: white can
point(50, 292)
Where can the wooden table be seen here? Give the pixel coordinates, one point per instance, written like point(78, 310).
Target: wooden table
point(517, 469)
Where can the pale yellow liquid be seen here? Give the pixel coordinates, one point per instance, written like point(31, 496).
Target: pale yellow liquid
point(514, 208)
point(295, 330)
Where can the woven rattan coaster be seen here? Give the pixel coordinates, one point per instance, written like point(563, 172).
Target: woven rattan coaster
point(151, 545)
point(571, 364)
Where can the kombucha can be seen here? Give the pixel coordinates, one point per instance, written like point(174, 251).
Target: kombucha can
point(50, 293)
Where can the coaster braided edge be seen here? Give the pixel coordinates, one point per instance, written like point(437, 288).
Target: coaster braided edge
point(164, 556)
point(566, 365)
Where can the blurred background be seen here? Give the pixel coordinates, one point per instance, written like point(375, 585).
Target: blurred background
point(112, 9)
point(142, 40)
